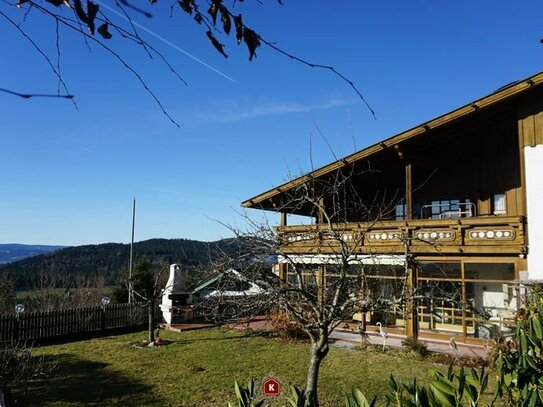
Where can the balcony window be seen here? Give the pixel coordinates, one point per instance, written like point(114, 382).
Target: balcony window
point(401, 209)
point(447, 209)
point(499, 204)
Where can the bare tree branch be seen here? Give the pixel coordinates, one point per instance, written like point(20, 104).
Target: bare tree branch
point(39, 50)
point(35, 95)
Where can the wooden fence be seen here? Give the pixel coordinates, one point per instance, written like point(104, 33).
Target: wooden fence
point(72, 322)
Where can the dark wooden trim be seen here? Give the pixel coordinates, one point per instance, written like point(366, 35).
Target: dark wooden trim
point(283, 221)
point(408, 191)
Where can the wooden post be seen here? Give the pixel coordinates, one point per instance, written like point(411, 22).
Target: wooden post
point(463, 302)
point(283, 267)
point(408, 192)
point(15, 337)
point(320, 215)
point(321, 292)
point(322, 269)
point(283, 221)
point(103, 318)
point(411, 317)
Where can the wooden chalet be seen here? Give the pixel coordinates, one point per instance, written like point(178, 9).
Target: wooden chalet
point(465, 193)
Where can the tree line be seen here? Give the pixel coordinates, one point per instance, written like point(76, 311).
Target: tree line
point(109, 259)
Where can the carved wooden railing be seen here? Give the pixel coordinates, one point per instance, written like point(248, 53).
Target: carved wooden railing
point(489, 234)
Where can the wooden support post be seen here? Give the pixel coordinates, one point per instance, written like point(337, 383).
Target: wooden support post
point(322, 269)
point(321, 292)
point(411, 317)
point(408, 192)
point(464, 304)
point(320, 215)
point(283, 221)
point(283, 267)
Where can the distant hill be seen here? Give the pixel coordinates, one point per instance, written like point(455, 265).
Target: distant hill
point(11, 252)
point(109, 258)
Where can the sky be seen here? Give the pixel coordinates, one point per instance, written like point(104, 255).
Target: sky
point(68, 175)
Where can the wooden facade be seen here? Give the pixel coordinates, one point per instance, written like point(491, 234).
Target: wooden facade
point(452, 191)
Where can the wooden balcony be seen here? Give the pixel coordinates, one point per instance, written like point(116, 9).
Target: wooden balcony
point(477, 235)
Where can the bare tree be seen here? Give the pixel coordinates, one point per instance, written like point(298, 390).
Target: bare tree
point(17, 367)
point(320, 290)
point(51, 290)
point(7, 293)
point(148, 285)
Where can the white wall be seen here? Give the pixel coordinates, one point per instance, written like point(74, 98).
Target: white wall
point(533, 159)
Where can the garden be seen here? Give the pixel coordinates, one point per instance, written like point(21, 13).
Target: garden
point(198, 368)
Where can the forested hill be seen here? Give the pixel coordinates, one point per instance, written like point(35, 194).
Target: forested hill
point(109, 258)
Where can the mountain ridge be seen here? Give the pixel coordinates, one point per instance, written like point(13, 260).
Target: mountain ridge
point(109, 259)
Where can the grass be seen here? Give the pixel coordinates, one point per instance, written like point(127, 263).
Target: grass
point(198, 368)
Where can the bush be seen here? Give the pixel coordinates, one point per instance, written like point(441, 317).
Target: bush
point(518, 360)
point(416, 347)
point(286, 326)
point(17, 367)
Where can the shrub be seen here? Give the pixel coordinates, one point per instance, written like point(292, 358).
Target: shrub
point(286, 326)
point(17, 367)
point(518, 360)
point(416, 347)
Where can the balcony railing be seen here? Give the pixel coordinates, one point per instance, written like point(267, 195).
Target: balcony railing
point(488, 234)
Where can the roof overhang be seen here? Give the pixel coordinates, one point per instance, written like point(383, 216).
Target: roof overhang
point(503, 94)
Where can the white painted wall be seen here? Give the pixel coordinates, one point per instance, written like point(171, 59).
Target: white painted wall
point(373, 259)
point(533, 159)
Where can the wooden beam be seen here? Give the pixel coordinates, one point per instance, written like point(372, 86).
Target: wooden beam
point(320, 216)
point(283, 267)
point(283, 221)
point(411, 317)
point(408, 192)
point(530, 122)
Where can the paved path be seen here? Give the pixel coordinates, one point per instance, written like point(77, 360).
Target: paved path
point(189, 326)
point(350, 339)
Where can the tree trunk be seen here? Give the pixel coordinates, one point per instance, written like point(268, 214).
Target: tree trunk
point(151, 315)
point(319, 350)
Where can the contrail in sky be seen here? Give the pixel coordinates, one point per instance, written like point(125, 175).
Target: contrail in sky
point(171, 44)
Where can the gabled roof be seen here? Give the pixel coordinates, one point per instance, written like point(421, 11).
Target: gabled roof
point(215, 278)
point(501, 95)
point(252, 290)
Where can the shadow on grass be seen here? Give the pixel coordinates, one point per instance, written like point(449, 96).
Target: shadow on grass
point(79, 382)
point(241, 334)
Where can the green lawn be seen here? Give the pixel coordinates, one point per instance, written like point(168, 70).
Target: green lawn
point(198, 369)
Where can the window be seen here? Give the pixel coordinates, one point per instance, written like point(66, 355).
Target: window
point(466, 298)
point(448, 209)
point(499, 204)
point(401, 211)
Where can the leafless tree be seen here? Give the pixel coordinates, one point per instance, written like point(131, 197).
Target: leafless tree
point(51, 290)
point(320, 290)
point(17, 367)
point(7, 293)
point(148, 285)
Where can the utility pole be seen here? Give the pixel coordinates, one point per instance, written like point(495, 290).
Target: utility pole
point(130, 283)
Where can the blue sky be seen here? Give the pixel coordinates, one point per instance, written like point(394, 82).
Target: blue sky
point(68, 176)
